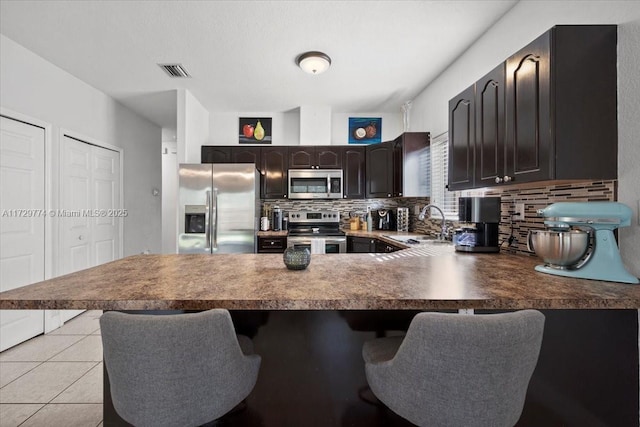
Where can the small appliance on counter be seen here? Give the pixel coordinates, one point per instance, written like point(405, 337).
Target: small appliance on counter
point(385, 220)
point(276, 223)
point(579, 240)
point(483, 213)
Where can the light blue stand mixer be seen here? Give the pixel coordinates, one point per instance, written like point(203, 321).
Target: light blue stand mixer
point(579, 240)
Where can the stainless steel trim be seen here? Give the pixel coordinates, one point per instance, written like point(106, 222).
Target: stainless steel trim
point(207, 225)
point(328, 240)
point(214, 244)
point(583, 220)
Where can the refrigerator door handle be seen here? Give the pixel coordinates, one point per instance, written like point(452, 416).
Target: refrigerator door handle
point(214, 209)
point(207, 218)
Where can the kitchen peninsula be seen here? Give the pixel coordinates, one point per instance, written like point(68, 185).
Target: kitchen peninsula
point(407, 279)
point(313, 301)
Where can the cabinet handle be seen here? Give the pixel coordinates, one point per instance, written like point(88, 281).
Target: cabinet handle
point(285, 196)
point(498, 180)
point(388, 195)
point(507, 178)
point(273, 243)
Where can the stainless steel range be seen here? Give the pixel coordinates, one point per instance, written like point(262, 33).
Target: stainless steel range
point(310, 228)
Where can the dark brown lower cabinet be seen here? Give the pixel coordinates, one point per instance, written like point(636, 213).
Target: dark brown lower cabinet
point(363, 245)
point(268, 245)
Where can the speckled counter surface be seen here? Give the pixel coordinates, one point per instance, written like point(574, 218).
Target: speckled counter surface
point(417, 278)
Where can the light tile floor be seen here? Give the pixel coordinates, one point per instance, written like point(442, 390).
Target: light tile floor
point(54, 379)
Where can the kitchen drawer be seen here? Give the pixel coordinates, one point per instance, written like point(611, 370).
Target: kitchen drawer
point(272, 244)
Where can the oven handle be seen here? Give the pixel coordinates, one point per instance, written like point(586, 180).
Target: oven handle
point(307, 240)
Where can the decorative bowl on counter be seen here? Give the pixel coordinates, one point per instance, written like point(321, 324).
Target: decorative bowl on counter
point(296, 258)
point(559, 248)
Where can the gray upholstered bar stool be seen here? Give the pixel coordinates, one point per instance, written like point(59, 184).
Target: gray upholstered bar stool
point(176, 370)
point(456, 369)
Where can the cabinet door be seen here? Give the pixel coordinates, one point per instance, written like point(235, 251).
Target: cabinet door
point(302, 158)
point(246, 155)
point(213, 154)
point(379, 170)
point(271, 244)
point(490, 128)
point(354, 172)
point(529, 154)
point(461, 140)
point(363, 245)
point(409, 177)
point(274, 172)
point(329, 157)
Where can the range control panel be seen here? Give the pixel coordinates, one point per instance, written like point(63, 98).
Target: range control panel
point(302, 217)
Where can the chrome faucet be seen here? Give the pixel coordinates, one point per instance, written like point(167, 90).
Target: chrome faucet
point(423, 213)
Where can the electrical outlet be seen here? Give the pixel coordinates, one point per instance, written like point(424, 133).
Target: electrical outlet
point(519, 211)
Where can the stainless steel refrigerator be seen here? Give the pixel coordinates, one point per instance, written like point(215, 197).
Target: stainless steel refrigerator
point(219, 206)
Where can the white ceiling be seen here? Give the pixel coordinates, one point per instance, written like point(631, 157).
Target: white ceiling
point(241, 54)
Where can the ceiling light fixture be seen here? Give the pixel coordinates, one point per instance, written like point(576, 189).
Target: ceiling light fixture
point(314, 62)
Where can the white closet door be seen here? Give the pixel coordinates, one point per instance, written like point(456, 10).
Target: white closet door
point(91, 191)
point(106, 193)
point(22, 222)
point(76, 197)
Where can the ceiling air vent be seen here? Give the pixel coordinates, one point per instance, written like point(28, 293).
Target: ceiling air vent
point(175, 70)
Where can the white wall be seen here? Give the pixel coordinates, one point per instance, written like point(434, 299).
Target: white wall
point(192, 127)
point(523, 23)
point(33, 86)
point(288, 127)
point(315, 125)
point(169, 191)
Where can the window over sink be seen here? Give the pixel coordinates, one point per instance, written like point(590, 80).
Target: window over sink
point(440, 195)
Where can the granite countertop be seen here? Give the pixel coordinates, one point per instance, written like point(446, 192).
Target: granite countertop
point(271, 233)
point(415, 278)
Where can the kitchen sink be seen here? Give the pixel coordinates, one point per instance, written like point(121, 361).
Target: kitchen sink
point(409, 239)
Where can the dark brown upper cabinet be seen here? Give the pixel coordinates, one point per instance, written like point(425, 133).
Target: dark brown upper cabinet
point(489, 128)
point(274, 169)
point(315, 157)
point(379, 170)
point(410, 168)
point(561, 108)
point(214, 154)
point(552, 117)
point(462, 139)
point(247, 155)
point(353, 161)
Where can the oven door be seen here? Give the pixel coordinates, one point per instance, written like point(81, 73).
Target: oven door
point(315, 184)
point(332, 244)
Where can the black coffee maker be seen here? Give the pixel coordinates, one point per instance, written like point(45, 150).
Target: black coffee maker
point(385, 220)
point(484, 215)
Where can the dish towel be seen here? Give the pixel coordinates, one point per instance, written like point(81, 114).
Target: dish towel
point(317, 246)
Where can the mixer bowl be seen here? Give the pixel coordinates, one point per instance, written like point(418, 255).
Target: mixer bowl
point(559, 248)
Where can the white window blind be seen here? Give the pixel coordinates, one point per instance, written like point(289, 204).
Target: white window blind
point(440, 196)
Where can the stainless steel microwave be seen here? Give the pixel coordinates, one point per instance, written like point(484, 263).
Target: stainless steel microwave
point(315, 184)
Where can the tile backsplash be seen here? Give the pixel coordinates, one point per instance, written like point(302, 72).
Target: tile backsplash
point(533, 197)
